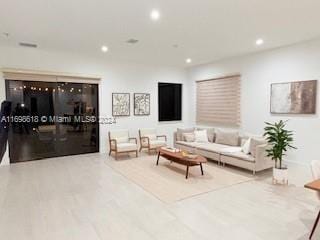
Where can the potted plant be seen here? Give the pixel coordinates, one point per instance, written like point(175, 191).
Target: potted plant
point(279, 140)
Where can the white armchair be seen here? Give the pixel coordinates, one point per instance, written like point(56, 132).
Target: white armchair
point(150, 140)
point(120, 142)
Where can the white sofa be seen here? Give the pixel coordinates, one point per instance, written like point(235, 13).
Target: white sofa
point(218, 149)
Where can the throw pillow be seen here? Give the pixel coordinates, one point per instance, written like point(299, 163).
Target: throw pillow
point(201, 136)
point(246, 146)
point(180, 131)
point(210, 133)
point(188, 137)
point(230, 138)
point(254, 143)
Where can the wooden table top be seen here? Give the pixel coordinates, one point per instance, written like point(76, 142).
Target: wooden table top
point(198, 159)
point(315, 185)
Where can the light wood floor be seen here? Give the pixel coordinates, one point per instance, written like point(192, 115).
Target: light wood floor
point(80, 197)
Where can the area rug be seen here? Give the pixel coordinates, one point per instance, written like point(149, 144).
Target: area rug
point(167, 180)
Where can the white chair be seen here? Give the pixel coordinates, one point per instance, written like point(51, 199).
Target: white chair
point(315, 169)
point(150, 140)
point(120, 142)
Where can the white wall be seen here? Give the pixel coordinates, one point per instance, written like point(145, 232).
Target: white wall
point(293, 63)
point(116, 77)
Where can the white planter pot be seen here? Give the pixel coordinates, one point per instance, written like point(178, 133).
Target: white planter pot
point(280, 176)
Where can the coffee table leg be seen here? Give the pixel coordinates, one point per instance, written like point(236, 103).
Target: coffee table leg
point(158, 158)
point(201, 168)
point(187, 172)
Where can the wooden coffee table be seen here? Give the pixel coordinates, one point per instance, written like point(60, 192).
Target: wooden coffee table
point(178, 158)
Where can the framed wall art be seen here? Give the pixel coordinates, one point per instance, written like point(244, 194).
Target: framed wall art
point(294, 97)
point(141, 104)
point(120, 104)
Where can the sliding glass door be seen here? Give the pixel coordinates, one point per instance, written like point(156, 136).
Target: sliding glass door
point(50, 119)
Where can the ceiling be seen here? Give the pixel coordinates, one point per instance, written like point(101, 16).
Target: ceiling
point(203, 30)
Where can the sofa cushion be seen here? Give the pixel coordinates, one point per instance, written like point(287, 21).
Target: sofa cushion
point(122, 136)
point(189, 144)
point(124, 147)
point(180, 131)
point(201, 136)
point(188, 137)
point(227, 137)
point(240, 155)
point(147, 131)
point(254, 143)
point(157, 143)
point(212, 147)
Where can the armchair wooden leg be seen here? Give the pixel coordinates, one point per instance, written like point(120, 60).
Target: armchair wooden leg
point(149, 151)
point(110, 153)
point(201, 168)
point(140, 149)
point(116, 156)
point(187, 172)
point(137, 153)
point(314, 226)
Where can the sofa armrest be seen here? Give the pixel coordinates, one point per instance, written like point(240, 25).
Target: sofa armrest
point(135, 139)
point(261, 159)
point(162, 136)
point(142, 141)
point(113, 144)
point(174, 138)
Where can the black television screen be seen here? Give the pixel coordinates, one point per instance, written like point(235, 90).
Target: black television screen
point(169, 101)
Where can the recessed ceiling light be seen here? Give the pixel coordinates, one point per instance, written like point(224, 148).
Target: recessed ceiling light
point(132, 41)
point(188, 60)
point(104, 49)
point(155, 15)
point(259, 42)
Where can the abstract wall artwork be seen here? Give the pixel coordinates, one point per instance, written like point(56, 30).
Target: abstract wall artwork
point(294, 97)
point(141, 104)
point(120, 104)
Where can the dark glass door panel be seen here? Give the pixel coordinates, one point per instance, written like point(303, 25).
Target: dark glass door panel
point(77, 104)
point(48, 119)
point(29, 138)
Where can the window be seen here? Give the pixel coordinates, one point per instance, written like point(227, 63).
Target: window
point(169, 101)
point(218, 101)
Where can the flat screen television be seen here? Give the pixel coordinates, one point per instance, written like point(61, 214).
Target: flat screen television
point(169, 101)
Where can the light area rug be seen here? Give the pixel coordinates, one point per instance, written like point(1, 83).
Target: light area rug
point(167, 180)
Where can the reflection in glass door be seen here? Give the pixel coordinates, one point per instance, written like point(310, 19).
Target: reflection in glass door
point(51, 119)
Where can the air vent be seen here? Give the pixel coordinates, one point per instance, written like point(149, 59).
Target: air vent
point(30, 45)
point(132, 41)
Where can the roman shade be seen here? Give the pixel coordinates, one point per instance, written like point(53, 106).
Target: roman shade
point(218, 101)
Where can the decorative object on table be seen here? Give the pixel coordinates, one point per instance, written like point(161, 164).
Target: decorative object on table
point(171, 149)
point(280, 140)
point(120, 104)
point(294, 97)
point(141, 104)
